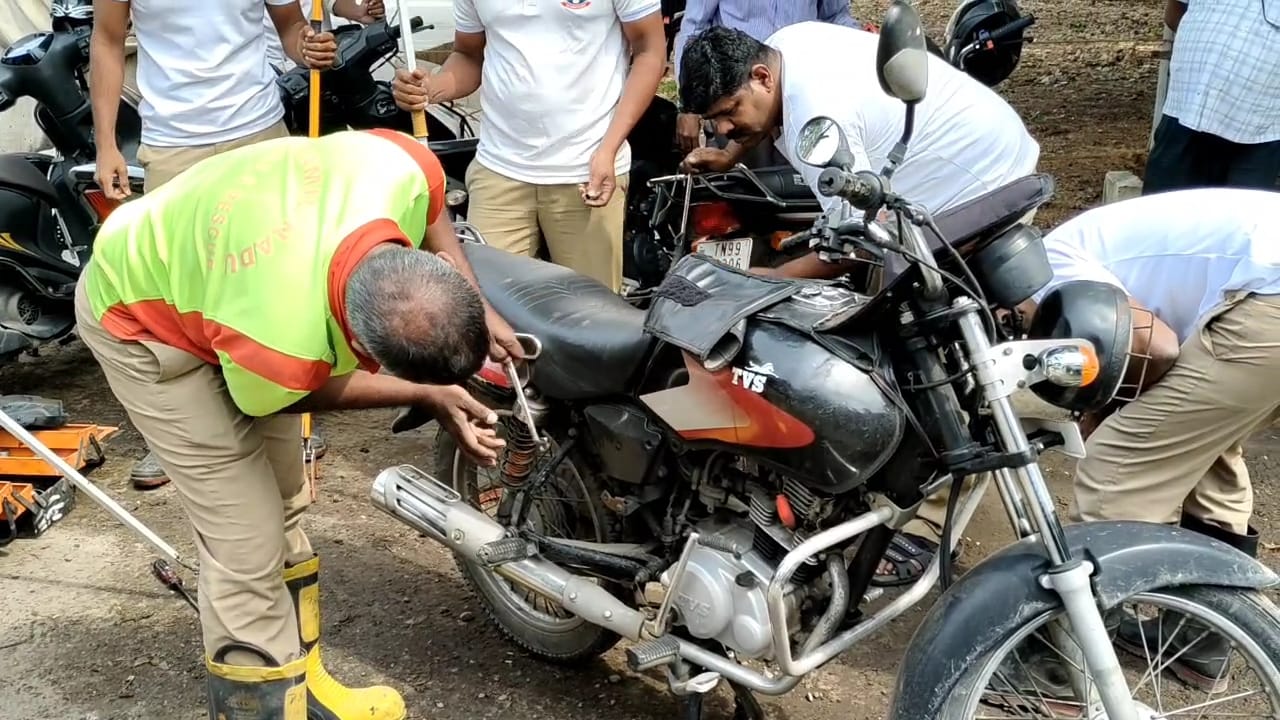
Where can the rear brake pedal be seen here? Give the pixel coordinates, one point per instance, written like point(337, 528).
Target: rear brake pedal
point(652, 653)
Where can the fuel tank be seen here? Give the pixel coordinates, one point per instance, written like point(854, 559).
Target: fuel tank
point(814, 409)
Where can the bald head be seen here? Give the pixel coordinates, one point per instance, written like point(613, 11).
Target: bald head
point(417, 316)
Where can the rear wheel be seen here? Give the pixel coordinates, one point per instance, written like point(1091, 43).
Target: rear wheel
point(568, 506)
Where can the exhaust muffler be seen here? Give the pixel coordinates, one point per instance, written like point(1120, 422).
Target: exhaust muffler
point(438, 511)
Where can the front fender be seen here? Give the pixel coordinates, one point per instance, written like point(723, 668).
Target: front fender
point(999, 596)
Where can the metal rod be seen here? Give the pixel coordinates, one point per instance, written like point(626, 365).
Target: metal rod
point(97, 495)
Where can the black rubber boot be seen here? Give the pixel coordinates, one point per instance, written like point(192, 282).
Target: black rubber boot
point(1203, 657)
point(147, 473)
point(248, 692)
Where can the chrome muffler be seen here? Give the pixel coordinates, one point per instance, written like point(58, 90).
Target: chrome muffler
point(438, 511)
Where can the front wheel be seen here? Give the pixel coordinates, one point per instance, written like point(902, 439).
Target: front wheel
point(568, 507)
point(1192, 651)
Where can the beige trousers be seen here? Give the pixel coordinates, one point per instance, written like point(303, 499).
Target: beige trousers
point(163, 164)
point(1178, 446)
point(517, 216)
point(240, 480)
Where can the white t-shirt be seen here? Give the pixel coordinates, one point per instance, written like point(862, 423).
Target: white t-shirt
point(553, 74)
point(967, 140)
point(275, 51)
point(203, 71)
point(1178, 253)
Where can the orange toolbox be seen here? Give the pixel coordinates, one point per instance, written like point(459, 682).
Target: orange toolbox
point(33, 494)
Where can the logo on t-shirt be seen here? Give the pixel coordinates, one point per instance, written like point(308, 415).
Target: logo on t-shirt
point(576, 4)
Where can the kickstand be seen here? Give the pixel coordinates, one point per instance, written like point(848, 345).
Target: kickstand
point(691, 707)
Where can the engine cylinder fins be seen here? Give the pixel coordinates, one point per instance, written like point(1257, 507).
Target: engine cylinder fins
point(803, 502)
point(763, 509)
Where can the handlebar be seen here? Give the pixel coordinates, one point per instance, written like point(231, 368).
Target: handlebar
point(1018, 25)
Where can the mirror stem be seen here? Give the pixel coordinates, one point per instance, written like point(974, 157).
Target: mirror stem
point(899, 152)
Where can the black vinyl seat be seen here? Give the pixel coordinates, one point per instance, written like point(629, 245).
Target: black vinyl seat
point(592, 339)
point(17, 173)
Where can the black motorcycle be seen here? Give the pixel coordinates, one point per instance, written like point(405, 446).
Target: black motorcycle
point(716, 479)
point(51, 206)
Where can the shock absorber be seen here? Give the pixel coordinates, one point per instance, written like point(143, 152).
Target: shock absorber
point(522, 449)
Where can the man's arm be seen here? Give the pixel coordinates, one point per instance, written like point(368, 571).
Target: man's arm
point(1173, 12)
point(293, 27)
point(697, 17)
point(106, 68)
point(360, 390)
point(648, 62)
point(838, 12)
point(462, 67)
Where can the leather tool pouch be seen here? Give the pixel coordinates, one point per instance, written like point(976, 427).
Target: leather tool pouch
point(702, 307)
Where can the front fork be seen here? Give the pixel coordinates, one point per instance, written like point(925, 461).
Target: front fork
point(1068, 576)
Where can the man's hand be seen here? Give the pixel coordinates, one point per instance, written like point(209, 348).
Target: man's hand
point(688, 131)
point(597, 191)
point(707, 159)
point(112, 174)
point(467, 420)
point(414, 90)
point(502, 339)
point(374, 11)
point(319, 50)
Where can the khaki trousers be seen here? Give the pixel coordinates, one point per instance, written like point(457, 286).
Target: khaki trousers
point(240, 479)
point(163, 164)
point(1178, 446)
point(517, 216)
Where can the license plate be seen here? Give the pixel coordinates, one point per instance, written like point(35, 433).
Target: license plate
point(734, 253)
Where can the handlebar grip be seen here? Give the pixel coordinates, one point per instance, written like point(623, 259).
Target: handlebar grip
point(1018, 25)
point(794, 241)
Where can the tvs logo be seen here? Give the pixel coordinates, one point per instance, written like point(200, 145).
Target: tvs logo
point(575, 4)
point(753, 377)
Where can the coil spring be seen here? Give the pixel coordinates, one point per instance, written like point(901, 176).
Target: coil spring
point(518, 460)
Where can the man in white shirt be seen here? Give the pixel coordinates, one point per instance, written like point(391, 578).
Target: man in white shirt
point(206, 88)
point(1206, 263)
point(1220, 123)
point(562, 83)
point(967, 141)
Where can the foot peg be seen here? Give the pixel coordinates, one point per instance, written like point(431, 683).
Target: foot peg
point(501, 552)
point(653, 653)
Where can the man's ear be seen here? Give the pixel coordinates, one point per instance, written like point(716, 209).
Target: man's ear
point(763, 75)
point(448, 259)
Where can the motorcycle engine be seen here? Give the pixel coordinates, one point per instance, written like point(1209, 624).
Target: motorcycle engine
point(722, 597)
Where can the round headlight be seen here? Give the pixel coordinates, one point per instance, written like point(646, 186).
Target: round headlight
point(1094, 311)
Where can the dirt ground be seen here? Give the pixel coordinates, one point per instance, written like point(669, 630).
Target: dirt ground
point(86, 633)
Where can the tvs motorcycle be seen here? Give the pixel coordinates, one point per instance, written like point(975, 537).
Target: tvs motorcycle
point(716, 478)
point(51, 206)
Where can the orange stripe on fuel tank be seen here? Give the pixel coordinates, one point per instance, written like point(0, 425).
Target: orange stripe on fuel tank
point(737, 416)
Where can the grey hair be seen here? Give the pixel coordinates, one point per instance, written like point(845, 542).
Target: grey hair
point(417, 316)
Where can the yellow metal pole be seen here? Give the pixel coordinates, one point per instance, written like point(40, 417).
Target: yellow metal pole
point(313, 130)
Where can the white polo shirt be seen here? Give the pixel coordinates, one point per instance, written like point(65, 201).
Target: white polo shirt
point(553, 74)
point(967, 140)
point(1178, 253)
point(203, 71)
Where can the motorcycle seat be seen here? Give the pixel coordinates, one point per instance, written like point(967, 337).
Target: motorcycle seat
point(990, 213)
point(19, 174)
point(592, 339)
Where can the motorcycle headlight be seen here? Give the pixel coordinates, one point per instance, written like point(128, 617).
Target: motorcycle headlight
point(1088, 310)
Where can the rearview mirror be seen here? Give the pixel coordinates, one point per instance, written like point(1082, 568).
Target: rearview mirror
point(822, 143)
point(902, 57)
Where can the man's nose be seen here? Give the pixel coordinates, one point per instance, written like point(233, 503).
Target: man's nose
point(724, 127)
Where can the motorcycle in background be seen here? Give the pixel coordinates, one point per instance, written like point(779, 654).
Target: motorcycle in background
point(716, 478)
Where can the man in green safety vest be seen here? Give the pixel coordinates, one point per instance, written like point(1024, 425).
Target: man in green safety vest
point(262, 283)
